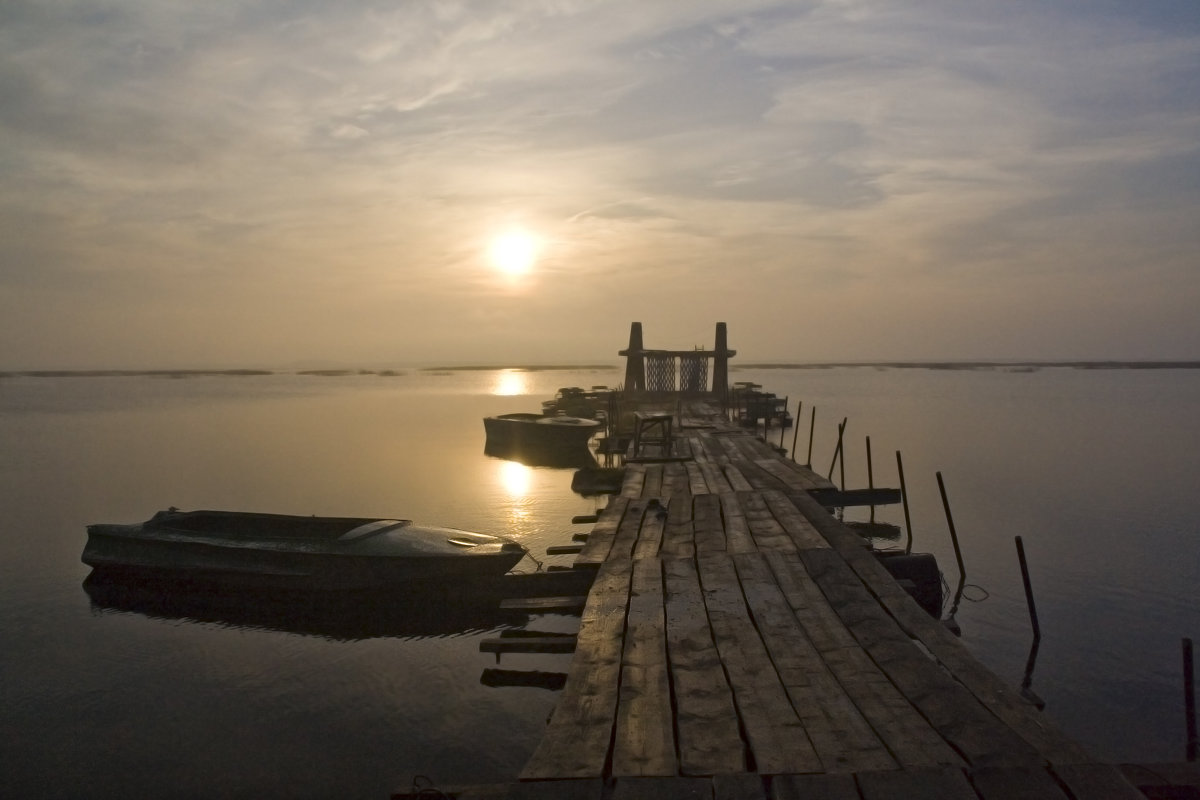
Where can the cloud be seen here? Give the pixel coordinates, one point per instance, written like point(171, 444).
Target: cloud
point(351, 155)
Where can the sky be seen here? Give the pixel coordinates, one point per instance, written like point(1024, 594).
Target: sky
point(283, 182)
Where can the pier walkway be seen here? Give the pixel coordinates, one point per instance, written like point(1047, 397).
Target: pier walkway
point(739, 642)
point(736, 630)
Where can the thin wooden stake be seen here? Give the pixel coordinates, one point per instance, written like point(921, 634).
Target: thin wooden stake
point(904, 500)
point(962, 570)
point(870, 475)
point(837, 451)
point(1027, 681)
point(796, 428)
point(812, 425)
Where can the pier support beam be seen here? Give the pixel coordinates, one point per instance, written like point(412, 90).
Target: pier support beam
point(635, 363)
point(720, 379)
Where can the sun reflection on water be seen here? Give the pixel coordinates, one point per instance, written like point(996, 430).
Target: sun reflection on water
point(516, 478)
point(511, 382)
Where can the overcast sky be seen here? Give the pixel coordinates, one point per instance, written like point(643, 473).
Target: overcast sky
point(265, 183)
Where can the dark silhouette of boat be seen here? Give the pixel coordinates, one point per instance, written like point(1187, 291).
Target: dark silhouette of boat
point(296, 552)
point(537, 431)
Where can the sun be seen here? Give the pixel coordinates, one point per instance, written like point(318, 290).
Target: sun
point(514, 252)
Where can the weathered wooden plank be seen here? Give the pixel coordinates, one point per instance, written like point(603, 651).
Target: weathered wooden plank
point(814, 787)
point(709, 527)
point(795, 524)
point(564, 549)
point(759, 479)
point(839, 733)
point(601, 538)
point(532, 790)
point(638, 788)
point(577, 738)
point(679, 535)
point(652, 486)
point(696, 483)
point(1016, 783)
point(538, 679)
point(635, 479)
point(821, 623)
point(740, 786)
point(1002, 700)
point(848, 498)
point(907, 734)
point(768, 534)
point(737, 481)
point(629, 529)
point(675, 479)
point(528, 644)
point(737, 529)
point(792, 476)
point(645, 741)
point(706, 719)
point(953, 711)
point(776, 734)
point(650, 536)
point(1096, 782)
point(714, 478)
point(928, 783)
point(553, 603)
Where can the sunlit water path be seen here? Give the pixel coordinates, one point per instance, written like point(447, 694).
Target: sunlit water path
point(166, 697)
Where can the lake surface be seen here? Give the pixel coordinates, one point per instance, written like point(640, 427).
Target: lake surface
point(109, 695)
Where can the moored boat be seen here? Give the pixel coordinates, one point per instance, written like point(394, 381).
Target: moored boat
point(331, 553)
point(539, 431)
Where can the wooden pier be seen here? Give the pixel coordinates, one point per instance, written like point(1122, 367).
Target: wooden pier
point(741, 643)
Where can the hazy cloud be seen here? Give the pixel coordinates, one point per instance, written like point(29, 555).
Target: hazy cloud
point(322, 180)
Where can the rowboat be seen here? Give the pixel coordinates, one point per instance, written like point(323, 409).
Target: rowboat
point(285, 551)
point(539, 431)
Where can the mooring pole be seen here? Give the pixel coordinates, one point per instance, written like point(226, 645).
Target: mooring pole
point(1189, 698)
point(962, 570)
point(904, 500)
point(812, 425)
point(870, 475)
point(796, 428)
point(782, 427)
point(837, 451)
point(1027, 681)
point(1033, 617)
point(842, 455)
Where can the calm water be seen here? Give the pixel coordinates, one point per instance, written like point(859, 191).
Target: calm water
point(107, 696)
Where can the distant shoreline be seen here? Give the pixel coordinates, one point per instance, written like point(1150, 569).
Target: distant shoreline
point(971, 365)
point(1017, 366)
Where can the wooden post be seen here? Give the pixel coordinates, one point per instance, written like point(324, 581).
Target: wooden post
point(812, 426)
point(904, 499)
point(870, 475)
point(720, 378)
point(635, 362)
point(796, 429)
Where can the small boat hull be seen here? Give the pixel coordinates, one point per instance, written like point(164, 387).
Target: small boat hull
point(298, 552)
point(539, 431)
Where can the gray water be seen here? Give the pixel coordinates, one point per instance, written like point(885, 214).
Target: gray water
point(163, 697)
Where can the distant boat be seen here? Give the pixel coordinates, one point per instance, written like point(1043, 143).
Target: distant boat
point(328, 553)
point(534, 431)
point(575, 401)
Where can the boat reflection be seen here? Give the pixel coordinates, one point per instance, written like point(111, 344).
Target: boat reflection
point(578, 457)
point(409, 612)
